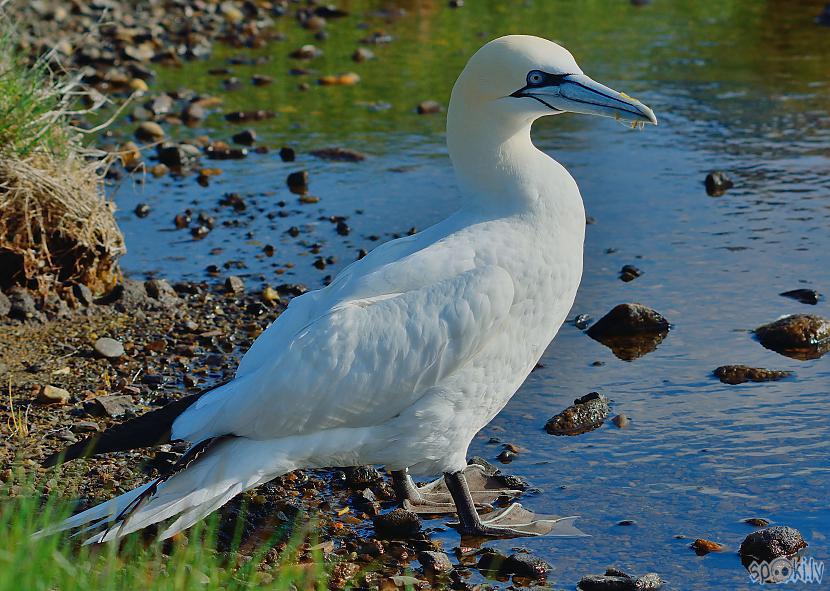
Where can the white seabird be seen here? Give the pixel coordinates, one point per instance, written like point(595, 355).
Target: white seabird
point(410, 351)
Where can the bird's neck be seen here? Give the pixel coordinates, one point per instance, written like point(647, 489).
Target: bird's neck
point(494, 159)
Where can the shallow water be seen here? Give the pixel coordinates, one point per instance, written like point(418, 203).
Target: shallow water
point(743, 87)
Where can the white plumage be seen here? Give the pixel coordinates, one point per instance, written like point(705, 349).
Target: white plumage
point(413, 349)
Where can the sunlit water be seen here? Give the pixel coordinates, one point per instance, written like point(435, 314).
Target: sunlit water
point(745, 88)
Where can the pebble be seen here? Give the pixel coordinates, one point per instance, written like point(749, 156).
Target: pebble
point(270, 295)
point(717, 183)
point(142, 210)
point(506, 456)
point(5, 305)
point(805, 296)
point(397, 524)
point(297, 181)
point(585, 414)
point(738, 374)
point(582, 321)
point(363, 54)
point(621, 421)
point(261, 80)
point(772, 542)
point(22, 304)
point(53, 395)
point(149, 131)
point(429, 107)
point(287, 154)
point(703, 547)
point(159, 289)
point(85, 427)
point(194, 112)
point(434, 563)
point(109, 348)
point(234, 285)
point(757, 521)
point(629, 273)
point(113, 406)
point(246, 137)
point(82, 293)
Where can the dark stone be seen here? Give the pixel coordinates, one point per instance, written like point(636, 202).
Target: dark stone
point(359, 477)
point(434, 563)
point(22, 304)
point(243, 116)
point(287, 154)
point(111, 406)
point(505, 457)
point(717, 183)
point(160, 290)
point(339, 154)
point(629, 273)
point(5, 305)
point(246, 137)
point(82, 293)
point(522, 565)
point(261, 80)
point(343, 228)
point(628, 319)
point(297, 181)
point(234, 285)
point(177, 155)
point(757, 521)
point(585, 414)
point(772, 542)
point(738, 374)
point(582, 321)
point(805, 296)
point(194, 112)
point(397, 524)
point(802, 336)
point(142, 210)
point(630, 330)
point(616, 580)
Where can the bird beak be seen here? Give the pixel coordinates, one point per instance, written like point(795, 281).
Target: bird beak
point(577, 93)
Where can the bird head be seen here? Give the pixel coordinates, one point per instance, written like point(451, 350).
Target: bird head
point(525, 77)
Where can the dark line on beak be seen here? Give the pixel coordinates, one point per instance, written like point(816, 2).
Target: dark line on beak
point(552, 108)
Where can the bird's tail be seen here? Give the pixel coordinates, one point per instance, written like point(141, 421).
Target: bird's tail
point(206, 478)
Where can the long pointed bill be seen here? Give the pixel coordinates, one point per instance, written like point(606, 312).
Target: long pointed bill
point(577, 93)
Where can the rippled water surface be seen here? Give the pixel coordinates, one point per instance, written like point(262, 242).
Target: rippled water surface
point(742, 86)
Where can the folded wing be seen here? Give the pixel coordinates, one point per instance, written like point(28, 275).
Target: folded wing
point(359, 363)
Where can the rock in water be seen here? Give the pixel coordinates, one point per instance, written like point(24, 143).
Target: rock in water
point(616, 580)
point(630, 330)
point(738, 374)
point(629, 273)
point(109, 348)
point(703, 547)
point(585, 414)
point(805, 296)
point(772, 542)
point(802, 336)
point(717, 183)
point(434, 562)
point(397, 524)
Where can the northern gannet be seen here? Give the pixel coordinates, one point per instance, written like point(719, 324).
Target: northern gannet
point(410, 351)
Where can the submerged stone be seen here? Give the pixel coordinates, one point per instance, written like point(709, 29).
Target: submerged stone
point(585, 414)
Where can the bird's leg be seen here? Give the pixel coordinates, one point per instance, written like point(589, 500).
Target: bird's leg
point(410, 497)
point(434, 497)
point(510, 522)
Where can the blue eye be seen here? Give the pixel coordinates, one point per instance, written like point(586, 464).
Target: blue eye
point(535, 77)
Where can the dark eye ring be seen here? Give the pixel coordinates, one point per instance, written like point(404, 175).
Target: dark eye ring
point(535, 77)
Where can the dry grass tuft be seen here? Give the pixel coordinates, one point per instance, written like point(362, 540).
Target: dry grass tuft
point(56, 226)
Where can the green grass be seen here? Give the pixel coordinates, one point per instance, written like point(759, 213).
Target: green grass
point(58, 562)
point(33, 103)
